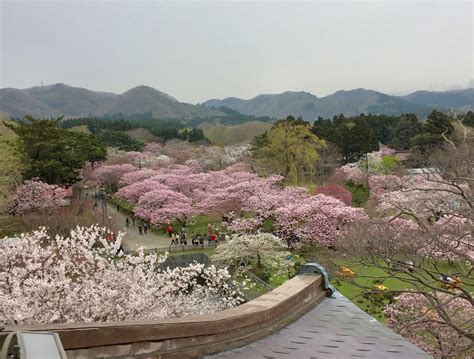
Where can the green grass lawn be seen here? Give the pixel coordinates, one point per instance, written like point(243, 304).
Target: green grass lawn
point(365, 277)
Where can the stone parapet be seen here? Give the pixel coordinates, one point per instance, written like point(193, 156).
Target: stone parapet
point(189, 337)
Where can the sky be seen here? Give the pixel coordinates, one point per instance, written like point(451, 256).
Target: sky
point(195, 51)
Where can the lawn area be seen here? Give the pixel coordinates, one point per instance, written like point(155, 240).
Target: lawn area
point(365, 276)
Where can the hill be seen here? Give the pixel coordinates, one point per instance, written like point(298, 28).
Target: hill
point(221, 134)
point(61, 99)
point(350, 103)
point(460, 99)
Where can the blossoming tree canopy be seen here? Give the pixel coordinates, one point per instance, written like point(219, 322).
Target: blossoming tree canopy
point(336, 191)
point(162, 206)
point(85, 278)
point(267, 250)
point(414, 316)
point(110, 175)
point(35, 196)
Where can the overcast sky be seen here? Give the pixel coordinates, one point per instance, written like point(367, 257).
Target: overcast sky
point(197, 51)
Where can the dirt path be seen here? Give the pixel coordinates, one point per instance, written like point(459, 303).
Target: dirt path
point(133, 240)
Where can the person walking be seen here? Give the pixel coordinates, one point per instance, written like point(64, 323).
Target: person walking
point(169, 230)
point(140, 230)
point(145, 228)
point(127, 222)
point(201, 240)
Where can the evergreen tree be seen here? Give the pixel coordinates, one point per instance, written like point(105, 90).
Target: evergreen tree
point(53, 154)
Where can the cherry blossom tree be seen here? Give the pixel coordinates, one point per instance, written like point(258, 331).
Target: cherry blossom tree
point(84, 277)
point(35, 196)
point(268, 251)
point(317, 218)
point(163, 206)
point(336, 191)
point(110, 175)
point(412, 315)
point(137, 176)
point(423, 237)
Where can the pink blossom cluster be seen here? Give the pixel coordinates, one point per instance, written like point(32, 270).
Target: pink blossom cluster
point(35, 196)
point(110, 175)
point(336, 191)
point(318, 218)
point(380, 185)
point(84, 277)
point(352, 172)
point(180, 192)
point(423, 319)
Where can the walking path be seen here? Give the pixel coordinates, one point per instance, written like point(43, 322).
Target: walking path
point(133, 240)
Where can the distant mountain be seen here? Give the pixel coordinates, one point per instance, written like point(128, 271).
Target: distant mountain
point(60, 99)
point(349, 103)
point(455, 99)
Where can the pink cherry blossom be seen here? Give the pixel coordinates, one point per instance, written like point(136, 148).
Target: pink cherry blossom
point(336, 191)
point(35, 196)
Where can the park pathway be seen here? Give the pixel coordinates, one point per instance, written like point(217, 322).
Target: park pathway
point(133, 240)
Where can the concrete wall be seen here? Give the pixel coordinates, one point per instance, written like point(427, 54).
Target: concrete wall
point(190, 337)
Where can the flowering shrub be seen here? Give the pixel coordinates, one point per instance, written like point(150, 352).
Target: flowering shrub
point(34, 196)
point(84, 278)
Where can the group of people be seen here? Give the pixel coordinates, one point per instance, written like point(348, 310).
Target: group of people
point(197, 239)
point(142, 227)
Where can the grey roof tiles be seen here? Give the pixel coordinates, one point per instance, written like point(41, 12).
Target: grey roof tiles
point(336, 328)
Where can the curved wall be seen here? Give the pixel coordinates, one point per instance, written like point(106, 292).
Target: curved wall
point(194, 336)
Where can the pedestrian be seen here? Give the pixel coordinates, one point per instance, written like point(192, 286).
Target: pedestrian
point(213, 238)
point(118, 208)
point(169, 230)
point(173, 240)
point(145, 228)
point(140, 231)
point(133, 221)
point(127, 222)
point(201, 240)
point(177, 238)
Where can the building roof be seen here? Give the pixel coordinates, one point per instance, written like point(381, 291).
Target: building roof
point(336, 328)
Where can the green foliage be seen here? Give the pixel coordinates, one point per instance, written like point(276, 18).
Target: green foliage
point(437, 126)
point(289, 149)
point(384, 166)
point(120, 140)
point(468, 119)
point(356, 139)
point(360, 193)
point(10, 164)
point(403, 130)
point(164, 129)
point(52, 153)
point(354, 136)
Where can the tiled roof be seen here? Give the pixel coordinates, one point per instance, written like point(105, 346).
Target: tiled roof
point(336, 328)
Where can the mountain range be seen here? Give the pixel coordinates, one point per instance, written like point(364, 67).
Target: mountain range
point(60, 99)
point(349, 103)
